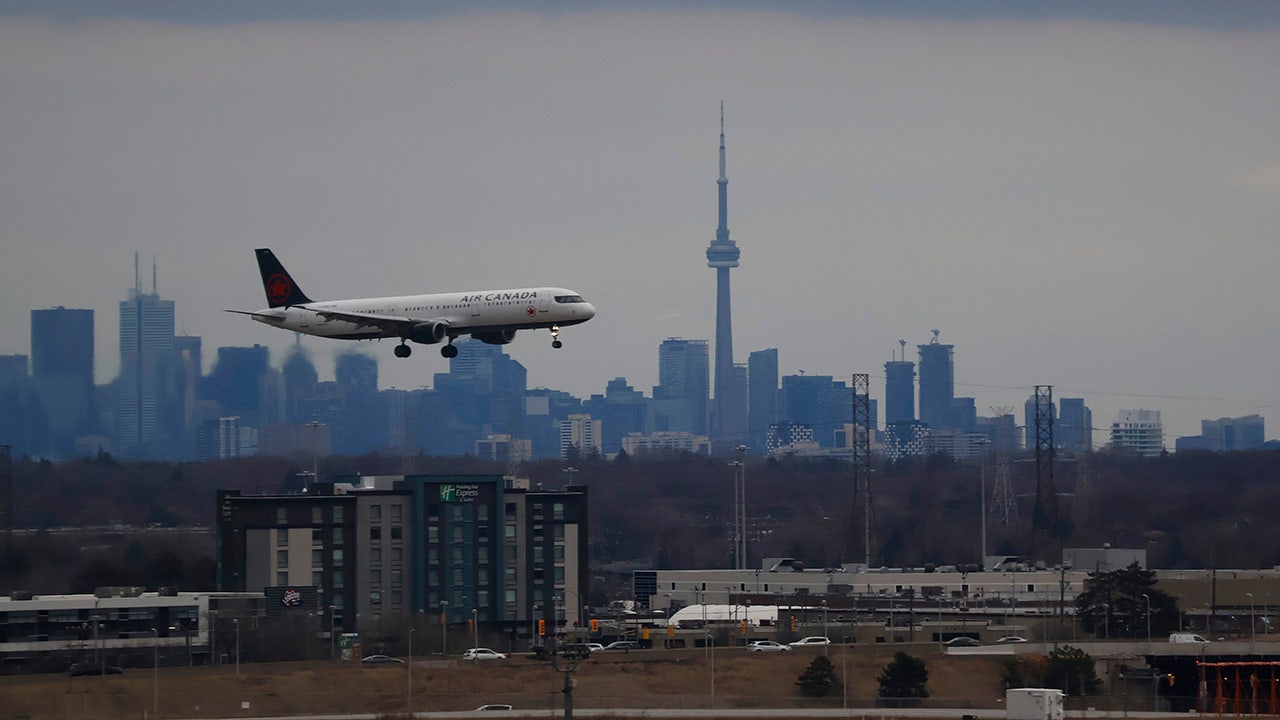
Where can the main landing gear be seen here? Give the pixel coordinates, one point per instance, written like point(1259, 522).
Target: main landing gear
point(555, 337)
point(403, 351)
point(449, 350)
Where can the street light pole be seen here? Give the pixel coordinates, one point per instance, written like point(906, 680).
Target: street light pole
point(236, 621)
point(1148, 599)
point(444, 628)
point(333, 655)
point(155, 672)
point(408, 698)
point(475, 628)
point(1253, 623)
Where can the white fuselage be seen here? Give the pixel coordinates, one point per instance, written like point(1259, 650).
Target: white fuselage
point(463, 313)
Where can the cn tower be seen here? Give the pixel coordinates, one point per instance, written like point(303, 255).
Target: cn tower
point(723, 255)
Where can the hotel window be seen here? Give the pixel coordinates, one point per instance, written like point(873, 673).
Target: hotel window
point(282, 516)
point(511, 509)
point(557, 511)
point(458, 577)
point(282, 578)
point(282, 537)
point(433, 534)
point(511, 596)
point(433, 556)
point(396, 555)
point(457, 533)
point(375, 578)
point(559, 575)
point(395, 533)
point(482, 555)
point(375, 512)
point(397, 599)
point(558, 533)
point(537, 554)
point(317, 537)
point(337, 581)
point(282, 558)
point(317, 558)
point(482, 512)
point(375, 556)
point(337, 558)
point(337, 513)
point(559, 553)
point(510, 552)
point(511, 531)
point(457, 556)
point(337, 536)
point(396, 578)
point(510, 575)
point(375, 533)
point(317, 578)
point(316, 516)
point(395, 513)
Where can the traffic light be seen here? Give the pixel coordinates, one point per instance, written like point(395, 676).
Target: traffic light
point(1170, 679)
point(793, 623)
point(744, 627)
point(671, 631)
point(595, 625)
point(542, 627)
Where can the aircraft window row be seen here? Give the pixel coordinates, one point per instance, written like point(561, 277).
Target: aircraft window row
point(569, 299)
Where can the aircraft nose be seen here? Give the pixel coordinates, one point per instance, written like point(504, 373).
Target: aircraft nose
point(590, 310)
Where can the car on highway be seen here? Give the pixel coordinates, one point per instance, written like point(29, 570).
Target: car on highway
point(622, 645)
point(962, 641)
point(767, 646)
point(1010, 639)
point(811, 640)
point(380, 660)
point(80, 669)
point(594, 646)
point(482, 654)
point(493, 706)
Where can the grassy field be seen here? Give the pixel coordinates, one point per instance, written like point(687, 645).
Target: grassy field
point(669, 679)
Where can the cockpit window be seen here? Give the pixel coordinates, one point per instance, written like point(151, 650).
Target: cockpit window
point(569, 299)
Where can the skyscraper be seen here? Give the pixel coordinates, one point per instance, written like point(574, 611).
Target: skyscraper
point(146, 345)
point(680, 397)
point(62, 368)
point(899, 389)
point(762, 396)
point(730, 421)
point(937, 383)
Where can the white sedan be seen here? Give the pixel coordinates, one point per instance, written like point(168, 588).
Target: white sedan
point(767, 646)
point(811, 640)
point(482, 654)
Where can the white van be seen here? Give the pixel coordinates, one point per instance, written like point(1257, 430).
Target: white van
point(1186, 638)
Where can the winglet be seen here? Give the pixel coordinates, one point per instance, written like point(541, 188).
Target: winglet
point(281, 290)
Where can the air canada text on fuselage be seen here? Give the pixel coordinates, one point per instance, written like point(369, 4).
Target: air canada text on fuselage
point(490, 297)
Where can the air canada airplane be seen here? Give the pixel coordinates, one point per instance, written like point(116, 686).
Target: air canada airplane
point(491, 316)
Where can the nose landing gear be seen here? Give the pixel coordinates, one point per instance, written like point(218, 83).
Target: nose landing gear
point(555, 337)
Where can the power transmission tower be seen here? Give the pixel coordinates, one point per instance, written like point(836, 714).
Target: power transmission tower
point(1044, 514)
point(861, 443)
point(1003, 507)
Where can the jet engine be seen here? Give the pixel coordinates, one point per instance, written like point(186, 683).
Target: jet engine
point(429, 333)
point(497, 337)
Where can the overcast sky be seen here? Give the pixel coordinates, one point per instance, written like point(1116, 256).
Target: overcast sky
point(1084, 195)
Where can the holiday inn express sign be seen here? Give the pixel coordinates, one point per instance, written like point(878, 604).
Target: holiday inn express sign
point(459, 493)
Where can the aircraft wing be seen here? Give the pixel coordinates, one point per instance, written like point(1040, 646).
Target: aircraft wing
point(390, 324)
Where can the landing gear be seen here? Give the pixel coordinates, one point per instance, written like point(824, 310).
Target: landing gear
point(403, 351)
point(555, 337)
point(449, 351)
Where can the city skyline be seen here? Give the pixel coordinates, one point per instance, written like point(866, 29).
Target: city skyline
point(1081, 197)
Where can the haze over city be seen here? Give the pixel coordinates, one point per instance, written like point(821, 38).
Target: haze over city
point(1082, 197)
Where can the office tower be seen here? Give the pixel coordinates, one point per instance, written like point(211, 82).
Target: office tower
point(360, 420)
point(235, 383)
point(1073, 431)
point(937, 382)
point(762, 396)
point(300, 380)
point(1138, 431)
point(680, 397)
point(819, 403)
point(722, 254)
point(1226, 434)
point(146, 349)
point(483, 393)
point(899, 389)
point(62, 369)
point(622, 411)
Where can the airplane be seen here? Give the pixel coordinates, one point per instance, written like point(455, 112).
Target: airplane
point(490, 316)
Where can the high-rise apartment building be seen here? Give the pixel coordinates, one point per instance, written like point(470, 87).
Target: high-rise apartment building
point(680, 398)
point(62, 369)
point(937, 383)
point(899, 391)
point(579, 434)
point(1138, 431)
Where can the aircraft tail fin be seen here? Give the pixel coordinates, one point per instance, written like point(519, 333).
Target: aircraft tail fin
point(281, 290)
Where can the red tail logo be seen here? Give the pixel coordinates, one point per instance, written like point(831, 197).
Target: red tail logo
point(278, 288)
